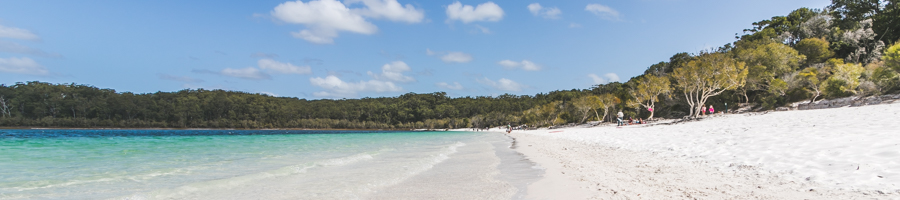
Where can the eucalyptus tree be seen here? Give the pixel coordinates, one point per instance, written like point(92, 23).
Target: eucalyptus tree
point(709, 75)
point(648, 89)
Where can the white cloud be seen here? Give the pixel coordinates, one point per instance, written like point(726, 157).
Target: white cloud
point(17, 33)
point(283, 68)
point(525, 65)
point(502, 84)
point(389, 9)
point(179, 78)
point(612, 77)
point(609, 77)
point(456, 57)
point(604, 12)
point(249, 73)
point(393, 72)
point(574, 25)
point(22, 65)
point(488, 11)
point(268, 93)
point(325, 18)
point(451, 57)
point(335, 87)
point(454, 86)
point(11, 47)
point(550, 13)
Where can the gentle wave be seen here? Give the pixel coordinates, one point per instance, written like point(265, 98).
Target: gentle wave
point(425, 165)
point(241, 180)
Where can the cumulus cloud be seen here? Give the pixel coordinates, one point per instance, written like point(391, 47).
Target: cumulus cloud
point(456, 57)
point(282, 68)
point(325, 18)
point(335, 87)
point(179, 78)
point(604, 12)
point(488, 11)
point(22, 65)
point(524, 65)
point(550, 13)
point(11, 47)
point(389, 9)
point(451, 57)
point(502, 84)
point(609, 77)
point(17, 33)
point(393, 72)
point(454, 86)
point(249, 73)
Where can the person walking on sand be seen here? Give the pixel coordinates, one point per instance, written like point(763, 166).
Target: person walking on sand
point(712, 110)
point(619, 117)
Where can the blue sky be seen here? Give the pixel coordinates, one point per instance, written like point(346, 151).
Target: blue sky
point(361, 48)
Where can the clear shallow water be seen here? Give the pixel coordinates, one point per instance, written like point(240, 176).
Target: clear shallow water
point(205, 164)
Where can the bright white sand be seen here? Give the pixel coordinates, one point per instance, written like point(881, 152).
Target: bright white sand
point(840, 153)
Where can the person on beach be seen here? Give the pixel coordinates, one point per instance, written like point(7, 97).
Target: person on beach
point(619, 117)
point(703, 110)
point(712, 110)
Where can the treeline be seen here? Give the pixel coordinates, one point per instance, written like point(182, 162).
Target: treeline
point(849, 48)
point(74, 105)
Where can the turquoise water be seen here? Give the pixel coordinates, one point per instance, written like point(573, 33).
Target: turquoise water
point(205, 164)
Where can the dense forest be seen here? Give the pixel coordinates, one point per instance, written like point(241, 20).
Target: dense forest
point(849, 48)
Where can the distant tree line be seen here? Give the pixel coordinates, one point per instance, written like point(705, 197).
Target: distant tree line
point(73, 105)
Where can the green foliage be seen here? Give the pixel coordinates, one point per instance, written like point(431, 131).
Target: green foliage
point(891, 57)
point(848, 13)
point(836, 88)
point(845, 79)
point(885, 79)
point(816, 50)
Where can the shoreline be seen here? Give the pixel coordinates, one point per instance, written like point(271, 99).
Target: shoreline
point(650, 162)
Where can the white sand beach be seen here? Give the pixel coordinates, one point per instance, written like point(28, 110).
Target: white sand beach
point(840, 153)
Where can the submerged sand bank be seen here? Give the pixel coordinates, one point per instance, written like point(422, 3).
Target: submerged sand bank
point(843, 153)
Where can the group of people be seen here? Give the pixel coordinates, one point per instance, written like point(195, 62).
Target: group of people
point(631, 121)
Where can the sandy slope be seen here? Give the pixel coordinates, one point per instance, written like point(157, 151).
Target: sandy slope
point(842, 153)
